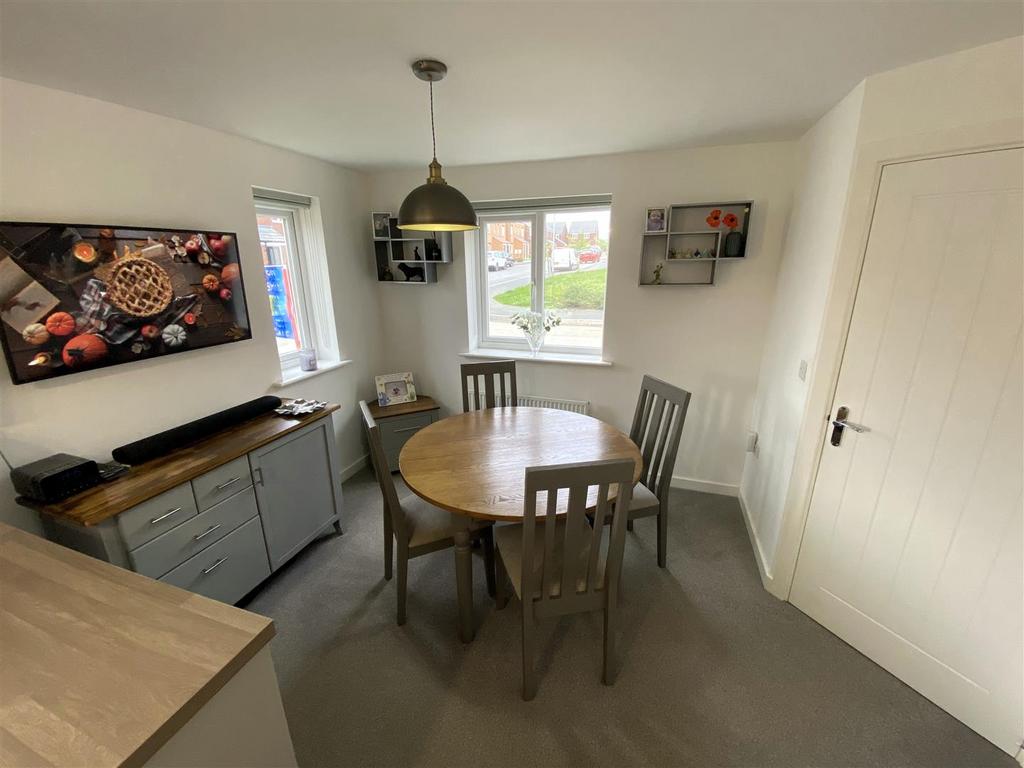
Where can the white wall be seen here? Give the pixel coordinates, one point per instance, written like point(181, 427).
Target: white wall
point(965, 101)
point(812, 240)
point(706, 339)
point(65, 157)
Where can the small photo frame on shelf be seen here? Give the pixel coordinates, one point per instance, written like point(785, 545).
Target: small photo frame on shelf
point(395, 388)
point(381, 225)
point(656, 220)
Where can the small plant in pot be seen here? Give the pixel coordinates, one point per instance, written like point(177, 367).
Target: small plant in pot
point(535, 326)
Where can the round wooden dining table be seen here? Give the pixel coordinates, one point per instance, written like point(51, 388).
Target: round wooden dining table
point(473, 465)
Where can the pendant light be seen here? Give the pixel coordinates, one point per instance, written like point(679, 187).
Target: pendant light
point(435, 206)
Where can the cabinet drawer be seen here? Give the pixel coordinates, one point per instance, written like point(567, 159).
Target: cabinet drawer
point(145, 521)
point(217, 484)
point(165, 552)
point(228, 569)
point(395, 432)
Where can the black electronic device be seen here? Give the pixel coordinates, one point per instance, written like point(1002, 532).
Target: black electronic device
point(164, 442)
point(55, 478)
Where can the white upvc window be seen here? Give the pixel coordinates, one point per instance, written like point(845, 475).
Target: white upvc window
point(545, 256)
point(297, 281)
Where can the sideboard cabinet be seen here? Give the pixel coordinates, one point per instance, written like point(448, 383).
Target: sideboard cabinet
point(239, 505)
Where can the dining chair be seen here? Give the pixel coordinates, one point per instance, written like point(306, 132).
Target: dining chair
point(496, 393)
point(657, 427)
point(417, 527)
point(557, 565)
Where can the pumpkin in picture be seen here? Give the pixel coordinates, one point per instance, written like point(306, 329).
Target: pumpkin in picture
point(211, 283)
point(229, 274)
point(60, 324)
point(174, 335)
point(150, 331)
point(35, 334)
point(84, 350)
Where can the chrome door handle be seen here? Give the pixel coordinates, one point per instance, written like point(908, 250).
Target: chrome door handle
point(207, 532)
point(839, 423)
point(216, 565)
point(232, 481)
point(165, 515)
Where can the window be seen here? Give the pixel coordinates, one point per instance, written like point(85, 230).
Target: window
point(295, 268)
point(545, 257)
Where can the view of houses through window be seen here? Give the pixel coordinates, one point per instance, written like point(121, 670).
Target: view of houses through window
point(546, 260)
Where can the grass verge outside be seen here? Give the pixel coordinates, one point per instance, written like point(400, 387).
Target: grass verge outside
point(570, 290)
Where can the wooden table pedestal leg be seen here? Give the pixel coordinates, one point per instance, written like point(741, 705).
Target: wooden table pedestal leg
point(464, 578)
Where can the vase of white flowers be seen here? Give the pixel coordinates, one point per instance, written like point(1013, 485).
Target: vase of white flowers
point(535, 326)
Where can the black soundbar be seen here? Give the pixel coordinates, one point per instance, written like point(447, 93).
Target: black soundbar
point(164, 442)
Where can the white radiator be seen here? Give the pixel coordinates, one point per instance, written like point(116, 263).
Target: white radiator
point(533, 401)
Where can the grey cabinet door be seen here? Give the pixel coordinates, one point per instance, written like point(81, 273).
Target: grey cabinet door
point(298, 489)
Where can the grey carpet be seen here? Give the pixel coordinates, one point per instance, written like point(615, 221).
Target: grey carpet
point(715, 671)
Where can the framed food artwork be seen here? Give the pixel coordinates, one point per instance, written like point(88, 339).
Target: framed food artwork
point(394, 388)
point(77, 297)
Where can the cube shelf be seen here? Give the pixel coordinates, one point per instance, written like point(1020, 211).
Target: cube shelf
point(411, 256)
point(689, 251)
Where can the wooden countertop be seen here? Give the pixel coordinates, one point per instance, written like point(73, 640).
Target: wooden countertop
point(100, 666)
point(420, 404)
point(152, 478)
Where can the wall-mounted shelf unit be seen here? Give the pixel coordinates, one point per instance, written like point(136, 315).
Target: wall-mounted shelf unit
point(407, 256)
point(697, 239)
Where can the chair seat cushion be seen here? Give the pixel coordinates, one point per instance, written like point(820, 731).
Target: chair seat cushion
point(509, 542)
point(428, 523)
point(644, 502)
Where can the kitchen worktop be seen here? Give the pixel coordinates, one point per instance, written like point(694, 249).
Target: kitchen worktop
point(100, 666)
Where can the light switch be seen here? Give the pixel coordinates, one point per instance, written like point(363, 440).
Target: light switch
point(751, 442)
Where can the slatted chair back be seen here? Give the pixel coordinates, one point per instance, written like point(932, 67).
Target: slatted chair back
point(495, 390)
point(581, 577)
point(384, 477)
point(657, 427)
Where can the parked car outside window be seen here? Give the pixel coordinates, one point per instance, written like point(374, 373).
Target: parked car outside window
point(564, 259)
point(497, 260)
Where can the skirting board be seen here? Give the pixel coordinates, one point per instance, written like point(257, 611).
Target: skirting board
point(354, 467)
point(755, 544)
point(705, 486)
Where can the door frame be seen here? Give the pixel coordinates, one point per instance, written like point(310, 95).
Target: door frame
point(869, 161)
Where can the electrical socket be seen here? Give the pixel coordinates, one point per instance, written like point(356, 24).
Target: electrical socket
point(802, 373)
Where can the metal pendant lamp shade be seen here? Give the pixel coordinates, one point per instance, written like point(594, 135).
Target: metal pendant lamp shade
point(435, 206)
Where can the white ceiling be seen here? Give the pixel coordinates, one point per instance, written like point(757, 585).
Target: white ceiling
point(526, 80)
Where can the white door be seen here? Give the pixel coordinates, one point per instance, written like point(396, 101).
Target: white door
point(912, 550)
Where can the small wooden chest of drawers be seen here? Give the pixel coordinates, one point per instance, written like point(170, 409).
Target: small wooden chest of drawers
point(400, 422)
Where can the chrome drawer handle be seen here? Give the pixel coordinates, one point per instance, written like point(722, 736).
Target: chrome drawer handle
point(232, 481)
point(218, 564)
point(165, 515)
point(207, 532)
point(407, 429)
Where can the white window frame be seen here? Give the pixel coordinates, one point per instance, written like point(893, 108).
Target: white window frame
point(308, 274)
point(534, 213)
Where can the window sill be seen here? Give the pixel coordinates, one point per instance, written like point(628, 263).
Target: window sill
point(542, 357)
point(293, 375)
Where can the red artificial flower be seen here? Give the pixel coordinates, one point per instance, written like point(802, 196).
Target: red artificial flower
point(712, 220)
point(730, 220)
